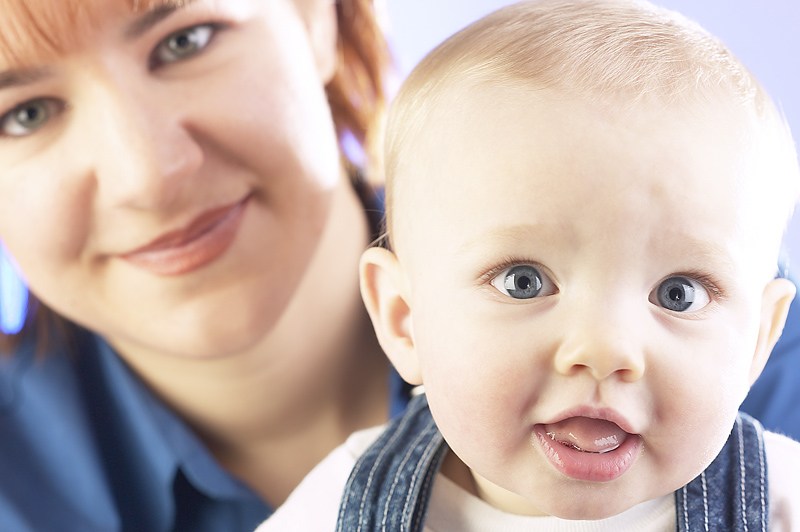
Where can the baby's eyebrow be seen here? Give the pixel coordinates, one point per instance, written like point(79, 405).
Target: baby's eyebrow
point(22, 76)
point(541, 231)
point(153, 16)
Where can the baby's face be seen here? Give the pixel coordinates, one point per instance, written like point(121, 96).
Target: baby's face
point(585, 301)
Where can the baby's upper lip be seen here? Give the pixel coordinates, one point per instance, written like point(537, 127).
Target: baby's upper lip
point(196, 227)
point(602, 413)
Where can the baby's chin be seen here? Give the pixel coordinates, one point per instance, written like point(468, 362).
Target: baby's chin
point(589, 501)
point(589, 508)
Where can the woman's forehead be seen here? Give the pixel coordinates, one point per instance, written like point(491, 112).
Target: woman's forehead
point(36, 31)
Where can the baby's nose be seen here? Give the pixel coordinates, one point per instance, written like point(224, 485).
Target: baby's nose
point(604, 344)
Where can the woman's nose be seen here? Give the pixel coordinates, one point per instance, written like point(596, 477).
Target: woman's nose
point(605, 343)
point(145, 152)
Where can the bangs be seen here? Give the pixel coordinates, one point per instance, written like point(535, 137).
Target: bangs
point(38, 31)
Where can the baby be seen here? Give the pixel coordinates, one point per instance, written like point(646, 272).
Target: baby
point(585, 203)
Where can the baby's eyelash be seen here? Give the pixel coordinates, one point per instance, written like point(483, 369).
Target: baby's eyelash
point(708, 281)
point(507, 264)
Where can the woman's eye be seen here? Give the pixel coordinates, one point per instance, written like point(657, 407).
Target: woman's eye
point(523, 282)
point(29, 116)
point(680, 294)
point(182, 44)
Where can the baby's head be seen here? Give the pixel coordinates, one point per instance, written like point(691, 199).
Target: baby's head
point(585, 204)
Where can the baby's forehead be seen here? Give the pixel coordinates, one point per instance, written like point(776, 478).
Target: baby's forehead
point(463, 120)
point(727, 151)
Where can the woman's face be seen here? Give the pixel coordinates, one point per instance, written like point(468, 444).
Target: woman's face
point(165, 181)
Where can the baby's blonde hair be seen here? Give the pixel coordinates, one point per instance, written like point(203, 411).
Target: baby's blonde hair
point(612, 52)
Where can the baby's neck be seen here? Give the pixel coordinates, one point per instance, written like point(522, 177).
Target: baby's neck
point(461, 475)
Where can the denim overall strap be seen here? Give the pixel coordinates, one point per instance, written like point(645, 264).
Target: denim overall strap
point(390, 485)
point(732, 493)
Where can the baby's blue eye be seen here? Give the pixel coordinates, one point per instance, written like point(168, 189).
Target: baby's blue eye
point(182, 44)
point(680, 294)
point(523, 282)
point(28, 117)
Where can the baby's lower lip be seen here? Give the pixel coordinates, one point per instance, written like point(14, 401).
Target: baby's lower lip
point(603, 466)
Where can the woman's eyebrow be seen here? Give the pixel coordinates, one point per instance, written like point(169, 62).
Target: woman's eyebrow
point(22, 76)
point(152, 17)
point(16, 77)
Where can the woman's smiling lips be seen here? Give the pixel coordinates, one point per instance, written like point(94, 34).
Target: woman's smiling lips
point(589, 446)
point(205, 239)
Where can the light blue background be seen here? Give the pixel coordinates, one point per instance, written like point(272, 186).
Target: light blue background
point(764, 34)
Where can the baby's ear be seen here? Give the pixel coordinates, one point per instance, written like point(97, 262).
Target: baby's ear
point(384, 287)
point(775, 301)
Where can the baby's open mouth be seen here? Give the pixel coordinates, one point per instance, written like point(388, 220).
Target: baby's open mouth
point(586, 434)
point(588, 449)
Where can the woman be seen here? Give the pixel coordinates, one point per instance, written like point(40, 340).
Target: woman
point(172, 187)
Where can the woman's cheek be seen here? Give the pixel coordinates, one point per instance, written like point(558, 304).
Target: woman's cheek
point(45, 221)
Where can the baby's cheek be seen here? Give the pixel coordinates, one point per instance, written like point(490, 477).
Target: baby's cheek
point(690, 426)
point(468, 426)
point(479, 421)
